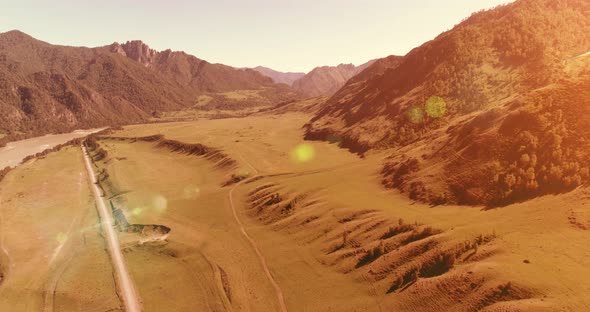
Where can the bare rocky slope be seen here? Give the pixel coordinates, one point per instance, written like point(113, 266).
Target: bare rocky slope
point(489, 112)
point(47, 88)
point(279, 77)
point(326, 80)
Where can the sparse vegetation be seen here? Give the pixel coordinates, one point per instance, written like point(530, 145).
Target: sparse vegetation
point(371, 255)
point(401, 228)
point(438, 265)
point(418, 235)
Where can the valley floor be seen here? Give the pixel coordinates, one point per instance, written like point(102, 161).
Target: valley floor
point(330, 236)
point(53, 254)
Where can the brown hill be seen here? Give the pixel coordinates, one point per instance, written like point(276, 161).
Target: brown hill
point(279, 77)
point(47, 88)
point(326, 80)
point(460, 105)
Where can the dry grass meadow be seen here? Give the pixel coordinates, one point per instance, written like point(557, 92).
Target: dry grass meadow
point(332, 237)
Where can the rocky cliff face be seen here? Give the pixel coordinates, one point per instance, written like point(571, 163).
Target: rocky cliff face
point(137, 51)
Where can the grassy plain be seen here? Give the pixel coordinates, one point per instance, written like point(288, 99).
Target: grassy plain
point(524, 265)
point(52, 249)
point(331, 236)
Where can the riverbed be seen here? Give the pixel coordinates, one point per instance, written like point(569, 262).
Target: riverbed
point(13, 153)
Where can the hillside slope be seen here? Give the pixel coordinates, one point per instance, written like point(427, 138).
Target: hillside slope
point(279, 77)
point(326, 80)
point(503, 66)
point(46, 88)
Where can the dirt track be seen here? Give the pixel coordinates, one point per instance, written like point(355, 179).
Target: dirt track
point(125, 285)
point(279, 291)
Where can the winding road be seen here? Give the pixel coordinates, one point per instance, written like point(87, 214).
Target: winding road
point(127, 290)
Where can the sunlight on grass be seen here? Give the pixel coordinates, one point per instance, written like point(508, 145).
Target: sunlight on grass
point(242, 94)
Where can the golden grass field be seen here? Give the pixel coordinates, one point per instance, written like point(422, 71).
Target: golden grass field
point(52, 250)
point(323, 223)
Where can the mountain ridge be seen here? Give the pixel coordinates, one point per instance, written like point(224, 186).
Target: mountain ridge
point(279, 77)
point(326, 80)
point(47, 88)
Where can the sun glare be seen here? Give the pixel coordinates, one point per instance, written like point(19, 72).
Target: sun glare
point(303, 153)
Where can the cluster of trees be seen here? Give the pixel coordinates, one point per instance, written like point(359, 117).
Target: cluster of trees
point(539, 144)
point(224, 103)
point(545, 147)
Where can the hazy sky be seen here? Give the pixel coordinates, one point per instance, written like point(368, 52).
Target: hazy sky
point(284, 35)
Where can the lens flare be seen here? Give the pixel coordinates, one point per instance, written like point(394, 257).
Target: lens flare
point(303, 153)
point(436, 107)
point(244, 172)
point(136, 211)
point(415, 114)
point(61, 238)
point(160, 203)
point(191, 192)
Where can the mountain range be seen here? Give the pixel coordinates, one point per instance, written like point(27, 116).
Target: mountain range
point(490, 112)
point(321, 81)
point(326, 80)
point(279, 77)
point(47, 88)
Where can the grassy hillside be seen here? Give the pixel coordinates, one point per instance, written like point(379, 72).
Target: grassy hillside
point(496, 67)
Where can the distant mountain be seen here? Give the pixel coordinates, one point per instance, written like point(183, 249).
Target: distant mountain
point(189, 71)
point(489, 112)
point(47, 88)
point(279, 77)
point(326, 80)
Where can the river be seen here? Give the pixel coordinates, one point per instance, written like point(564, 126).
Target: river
point(13, 153)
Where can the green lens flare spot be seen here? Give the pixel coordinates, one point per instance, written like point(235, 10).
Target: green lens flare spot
point(303, 153)
point(436, 107)
point(61, 238)
point(415, 114)
point(136, 211)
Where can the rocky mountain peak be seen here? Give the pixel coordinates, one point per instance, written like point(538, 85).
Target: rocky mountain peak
point(137, 51)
